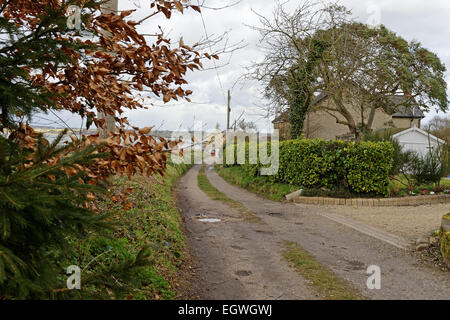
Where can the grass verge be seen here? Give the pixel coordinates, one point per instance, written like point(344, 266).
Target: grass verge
point(327, 284)
point(215, 194)
point(151, 221)
point(259, 185)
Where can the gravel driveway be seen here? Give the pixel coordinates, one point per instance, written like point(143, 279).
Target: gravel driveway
point(408, 222)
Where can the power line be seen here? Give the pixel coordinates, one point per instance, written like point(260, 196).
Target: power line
point(181, 104)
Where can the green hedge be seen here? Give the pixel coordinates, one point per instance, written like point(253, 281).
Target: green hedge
point(367, 167)
point(359, 167)
point(311, 163)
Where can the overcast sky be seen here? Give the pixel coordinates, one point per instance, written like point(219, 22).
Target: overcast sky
point(425, 21)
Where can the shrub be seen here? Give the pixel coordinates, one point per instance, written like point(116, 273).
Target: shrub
point(399, 157)
point(314, 164)
point(367, 167)
point(311, 163)
point(428, 168)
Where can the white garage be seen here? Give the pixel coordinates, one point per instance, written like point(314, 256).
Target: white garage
point(415, 139)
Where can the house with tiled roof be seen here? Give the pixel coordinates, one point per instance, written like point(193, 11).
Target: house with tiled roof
point(321, 123)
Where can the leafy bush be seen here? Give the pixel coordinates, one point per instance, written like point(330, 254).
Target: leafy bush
point(314, 164)
point(367, 167)
point(399, 157)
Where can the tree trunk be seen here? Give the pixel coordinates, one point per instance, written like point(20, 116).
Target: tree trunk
point(112, 6)
point(371, 117)
point(346, 114)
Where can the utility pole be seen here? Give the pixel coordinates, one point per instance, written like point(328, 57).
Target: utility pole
point(112, 6)
point(228, 110)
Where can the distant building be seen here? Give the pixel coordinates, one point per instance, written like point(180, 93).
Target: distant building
point(321, 124)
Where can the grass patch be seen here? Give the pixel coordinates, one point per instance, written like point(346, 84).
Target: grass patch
point(215, 194)
point(259, 185)
point(327, 284)
point(152, 221)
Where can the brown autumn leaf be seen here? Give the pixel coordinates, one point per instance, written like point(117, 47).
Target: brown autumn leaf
point(128, 206)
point(178, 5)
point(97, 74)
point(145, 130)
point(196, 8)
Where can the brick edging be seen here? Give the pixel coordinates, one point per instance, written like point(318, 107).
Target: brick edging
point(376, 202)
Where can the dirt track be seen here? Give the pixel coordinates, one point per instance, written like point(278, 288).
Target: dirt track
point(235, 259)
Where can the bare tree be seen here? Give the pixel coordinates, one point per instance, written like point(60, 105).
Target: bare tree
point(247, 126)
point(280, 45)
point(440, 127)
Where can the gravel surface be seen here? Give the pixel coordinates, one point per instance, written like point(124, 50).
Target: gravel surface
point(408, 222)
